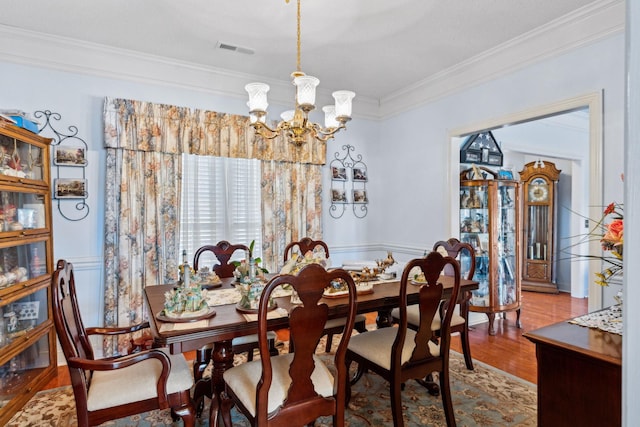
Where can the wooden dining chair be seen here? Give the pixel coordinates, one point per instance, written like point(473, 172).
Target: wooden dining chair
point(303, 246)
point(294, 388)
point(112, 388)
point(400, 353)
point(333, 326)
point(460, 319)
point(223, 251)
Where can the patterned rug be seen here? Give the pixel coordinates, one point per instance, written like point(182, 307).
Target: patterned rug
point(482, 397)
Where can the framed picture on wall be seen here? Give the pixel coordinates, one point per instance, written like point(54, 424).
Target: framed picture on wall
point(338, 196)
point(359, 174)
point(69, 156)
point(338, 174)
point(70, 188)
point(360, 196)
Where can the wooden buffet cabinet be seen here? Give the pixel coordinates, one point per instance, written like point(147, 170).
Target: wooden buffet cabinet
point(27, 334)
point(579, 376)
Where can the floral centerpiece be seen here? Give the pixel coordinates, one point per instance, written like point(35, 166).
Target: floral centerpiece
point(609, 230)
point(250, 280)
point(186, 301)
point(248, 269)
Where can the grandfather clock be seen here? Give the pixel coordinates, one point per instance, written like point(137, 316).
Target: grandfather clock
point(539, 221)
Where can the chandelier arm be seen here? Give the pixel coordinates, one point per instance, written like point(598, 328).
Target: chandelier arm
point(326, 133)
point(265, 131)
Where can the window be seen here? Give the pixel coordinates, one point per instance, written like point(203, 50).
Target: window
point(220, 201)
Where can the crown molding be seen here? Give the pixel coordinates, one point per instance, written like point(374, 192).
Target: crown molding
point(594, 22)
point(65, 54)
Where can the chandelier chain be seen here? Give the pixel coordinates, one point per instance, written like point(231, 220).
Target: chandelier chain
point(299, 43)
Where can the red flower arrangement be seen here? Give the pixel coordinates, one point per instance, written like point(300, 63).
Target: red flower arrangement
point(611, 237)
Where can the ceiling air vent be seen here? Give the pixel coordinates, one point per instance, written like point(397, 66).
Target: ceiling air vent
point(232, 48)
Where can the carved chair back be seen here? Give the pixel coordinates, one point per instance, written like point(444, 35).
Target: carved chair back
point(223, 252)
point(306, 325)
point(305, 245)
point(454, 248)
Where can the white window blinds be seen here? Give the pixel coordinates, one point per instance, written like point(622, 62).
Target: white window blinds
point(220, 201)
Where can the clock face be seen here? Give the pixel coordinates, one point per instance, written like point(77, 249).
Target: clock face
point(538, 190)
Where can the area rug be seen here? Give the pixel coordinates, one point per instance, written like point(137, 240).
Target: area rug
point(482, 397)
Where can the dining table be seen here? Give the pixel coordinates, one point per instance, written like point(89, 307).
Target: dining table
point(229, 322)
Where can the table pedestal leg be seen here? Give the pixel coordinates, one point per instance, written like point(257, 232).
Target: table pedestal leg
point(384, 319)
point(222, 357)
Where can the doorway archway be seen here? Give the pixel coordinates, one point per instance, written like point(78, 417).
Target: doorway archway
point(591, 102)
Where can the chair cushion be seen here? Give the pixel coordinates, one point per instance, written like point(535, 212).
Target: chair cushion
point(413, 317)
point(456, 320)
point(376, 346)
point(340, 321)
point(253, 338)
point(137, 382)
point(243, 379)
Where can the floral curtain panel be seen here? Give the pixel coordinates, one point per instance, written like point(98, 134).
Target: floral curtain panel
point(144, 143)
point(141, 236)
point(291, 208)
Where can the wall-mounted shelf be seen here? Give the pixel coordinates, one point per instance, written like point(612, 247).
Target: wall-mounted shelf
point(70, 161)
point(349, 176)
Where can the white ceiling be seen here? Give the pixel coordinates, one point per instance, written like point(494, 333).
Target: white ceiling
point(374, 47)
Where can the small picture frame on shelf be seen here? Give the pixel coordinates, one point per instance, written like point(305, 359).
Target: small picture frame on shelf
point(70, 188)
point(338, 196)
point(338, 174)
point(359, 174)
point(69, 156)
point(360, 196)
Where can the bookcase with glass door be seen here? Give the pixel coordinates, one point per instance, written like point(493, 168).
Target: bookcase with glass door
point(27, 334)
point(489, 221)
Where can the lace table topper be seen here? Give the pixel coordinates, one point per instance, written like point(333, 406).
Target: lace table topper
point(609, 320)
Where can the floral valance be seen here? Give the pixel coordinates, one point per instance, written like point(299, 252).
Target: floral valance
point(146, 126)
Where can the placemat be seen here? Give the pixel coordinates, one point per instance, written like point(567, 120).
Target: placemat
point(166, 327)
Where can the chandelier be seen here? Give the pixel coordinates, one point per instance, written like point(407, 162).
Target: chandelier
point(295, 124)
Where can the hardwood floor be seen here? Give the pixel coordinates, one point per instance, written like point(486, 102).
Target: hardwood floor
point(508, 350)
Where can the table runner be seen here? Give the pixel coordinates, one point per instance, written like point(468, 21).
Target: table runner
point(217, 297)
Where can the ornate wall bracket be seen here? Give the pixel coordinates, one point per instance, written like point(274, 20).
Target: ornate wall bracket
point(70, 161)
point(345, 169)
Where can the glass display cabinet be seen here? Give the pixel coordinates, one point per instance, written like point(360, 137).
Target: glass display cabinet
point(27, 334)
point(539, 180)
point(489, 221)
